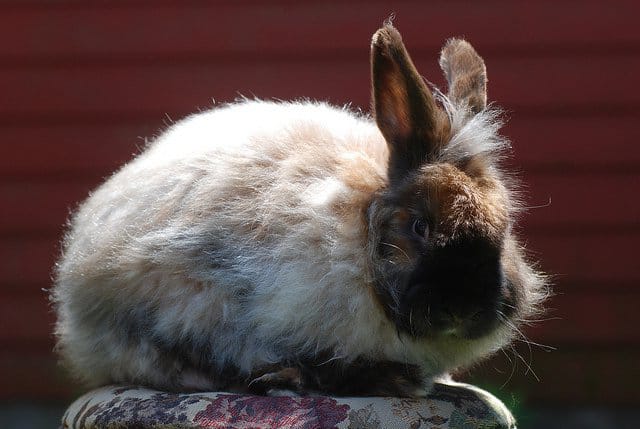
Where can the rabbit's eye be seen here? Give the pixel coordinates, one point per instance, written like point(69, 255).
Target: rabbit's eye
point(421, 228)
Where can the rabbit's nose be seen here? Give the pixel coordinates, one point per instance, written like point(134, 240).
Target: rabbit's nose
point(456, 320)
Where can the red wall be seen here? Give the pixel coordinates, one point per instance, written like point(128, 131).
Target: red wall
point(83, 82)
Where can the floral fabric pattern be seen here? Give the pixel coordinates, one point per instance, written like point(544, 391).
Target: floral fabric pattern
point(271, 412)
point(455, 405)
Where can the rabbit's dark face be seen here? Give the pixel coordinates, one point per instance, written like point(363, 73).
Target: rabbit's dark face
point(440, 253)
point(443, 255)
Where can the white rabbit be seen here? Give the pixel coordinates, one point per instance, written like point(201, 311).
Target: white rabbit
point(265, 245)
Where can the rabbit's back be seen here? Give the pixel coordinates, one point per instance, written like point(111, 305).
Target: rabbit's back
point(230, 239)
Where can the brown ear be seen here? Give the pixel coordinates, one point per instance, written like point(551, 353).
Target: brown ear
point(404, 108)
point(466, 74)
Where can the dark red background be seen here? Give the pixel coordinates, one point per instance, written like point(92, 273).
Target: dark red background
point(82, 83)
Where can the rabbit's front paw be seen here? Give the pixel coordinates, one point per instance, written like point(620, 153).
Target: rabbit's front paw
point(286, 381)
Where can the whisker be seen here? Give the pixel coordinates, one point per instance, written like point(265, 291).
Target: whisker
point(539, 320)
point(504, 319)
point(547, 204)
point(329, 360)
point(528, 342)
point(529, 369)
point(523, 337)
point(513, 368)
point(396, 247)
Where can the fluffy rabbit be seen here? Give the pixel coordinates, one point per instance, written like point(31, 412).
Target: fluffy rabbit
point(262, 246)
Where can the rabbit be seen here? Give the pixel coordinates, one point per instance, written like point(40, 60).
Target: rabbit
point(263, 246)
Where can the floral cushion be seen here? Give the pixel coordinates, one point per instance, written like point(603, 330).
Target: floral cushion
point(448, 406)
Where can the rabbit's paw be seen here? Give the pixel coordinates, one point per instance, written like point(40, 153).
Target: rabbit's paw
point(367, 378)
point(286, 381)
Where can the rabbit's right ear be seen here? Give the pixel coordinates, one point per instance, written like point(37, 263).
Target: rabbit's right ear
point(404, 107)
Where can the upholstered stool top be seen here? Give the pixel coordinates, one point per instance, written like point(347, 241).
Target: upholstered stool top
point(448, 406)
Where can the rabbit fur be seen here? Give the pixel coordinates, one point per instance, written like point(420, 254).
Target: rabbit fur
point(263, 245)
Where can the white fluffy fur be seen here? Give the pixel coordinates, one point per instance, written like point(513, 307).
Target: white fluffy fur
point(225, 232)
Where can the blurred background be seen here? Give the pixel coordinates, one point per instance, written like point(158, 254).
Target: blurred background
point(85, 84)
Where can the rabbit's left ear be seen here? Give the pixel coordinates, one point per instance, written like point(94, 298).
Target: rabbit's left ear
point(404, 107)
point(466, 75)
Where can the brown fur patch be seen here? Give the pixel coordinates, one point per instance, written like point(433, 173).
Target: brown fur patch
point(464, 204)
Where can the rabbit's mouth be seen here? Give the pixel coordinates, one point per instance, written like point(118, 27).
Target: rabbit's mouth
point(422, 319)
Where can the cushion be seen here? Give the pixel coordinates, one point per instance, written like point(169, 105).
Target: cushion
point(452, 405)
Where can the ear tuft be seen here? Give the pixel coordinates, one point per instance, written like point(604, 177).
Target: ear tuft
point(466, 74)
point(386, 38)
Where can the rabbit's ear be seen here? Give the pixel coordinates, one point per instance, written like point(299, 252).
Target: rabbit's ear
point(404, 107)
point(466, 74)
